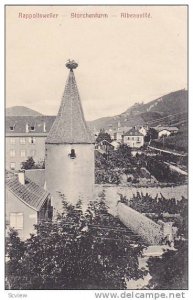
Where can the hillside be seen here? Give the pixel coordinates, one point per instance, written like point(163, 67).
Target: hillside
point(170, 109)
point(21, 111)
point(177, 142)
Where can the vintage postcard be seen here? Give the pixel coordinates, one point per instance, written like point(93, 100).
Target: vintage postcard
point(96, 139)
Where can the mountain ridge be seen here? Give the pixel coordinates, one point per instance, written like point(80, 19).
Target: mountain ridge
point(21, 111)
point(165, 110)
point(169, 109)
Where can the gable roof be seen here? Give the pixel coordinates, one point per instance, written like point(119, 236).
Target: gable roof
point(105, 142)
point(19, 123)
point(133, 132)
point(70, 126)
point(29, 193)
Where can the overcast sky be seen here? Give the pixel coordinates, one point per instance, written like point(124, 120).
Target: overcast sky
point(121, 61)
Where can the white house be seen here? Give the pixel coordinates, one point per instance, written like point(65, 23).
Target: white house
point(163, 132)
point(26, 204)
point(166, 131)
point(133, 138)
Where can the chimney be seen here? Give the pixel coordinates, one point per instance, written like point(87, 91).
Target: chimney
point(27, 127)
point(21, 176)
point(44, 127)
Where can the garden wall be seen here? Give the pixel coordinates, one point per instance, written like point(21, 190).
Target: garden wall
point(147, 229)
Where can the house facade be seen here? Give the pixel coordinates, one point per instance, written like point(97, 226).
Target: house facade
point(27, 204)
point(133, 138)
point(25, 137)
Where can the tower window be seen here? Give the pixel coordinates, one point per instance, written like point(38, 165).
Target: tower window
point(72, 154)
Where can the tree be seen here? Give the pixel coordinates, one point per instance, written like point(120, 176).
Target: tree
point(152, 134)
point(14, 251)
point(40, 165)
point(121, 158)
point(76, 251)
point(28, 164)
point(31, 164)
point(110, 167)
point(170, 271)
point(103, 136)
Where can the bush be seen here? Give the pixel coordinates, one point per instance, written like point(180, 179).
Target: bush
point(162, 172)
point(76, 251)
point(31, 164)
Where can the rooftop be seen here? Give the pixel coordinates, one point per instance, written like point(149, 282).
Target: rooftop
point(30, 193)
point(70, 126)
point(28, 125)
point(133, 132)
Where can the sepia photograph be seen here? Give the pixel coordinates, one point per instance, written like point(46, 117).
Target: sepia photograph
point(96, 148)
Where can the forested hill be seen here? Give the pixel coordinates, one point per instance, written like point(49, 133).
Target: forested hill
point(21, 111)
point(170, 109)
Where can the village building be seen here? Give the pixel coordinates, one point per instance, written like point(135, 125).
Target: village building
point(25, 137)
point(165, 131)
point(133, 138)
point(118, 135)
point(121, 130)
point(116, 144)
point(69, 161)
point(104, 146)
point(26, 204)
point(143, 130)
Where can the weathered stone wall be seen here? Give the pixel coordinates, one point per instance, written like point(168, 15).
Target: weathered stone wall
point(149, 231)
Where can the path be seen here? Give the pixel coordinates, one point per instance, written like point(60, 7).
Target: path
point(166, 151)
point(177, 169)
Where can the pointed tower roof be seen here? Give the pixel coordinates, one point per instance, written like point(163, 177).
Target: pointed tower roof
point(70, 126)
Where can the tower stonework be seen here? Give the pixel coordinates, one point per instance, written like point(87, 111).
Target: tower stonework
point(69, 161)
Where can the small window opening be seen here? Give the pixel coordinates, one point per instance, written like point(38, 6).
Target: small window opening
point(72, 154)
point(32, 128)
point(11, 128)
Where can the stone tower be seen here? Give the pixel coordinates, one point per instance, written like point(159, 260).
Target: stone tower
point(69, 159)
